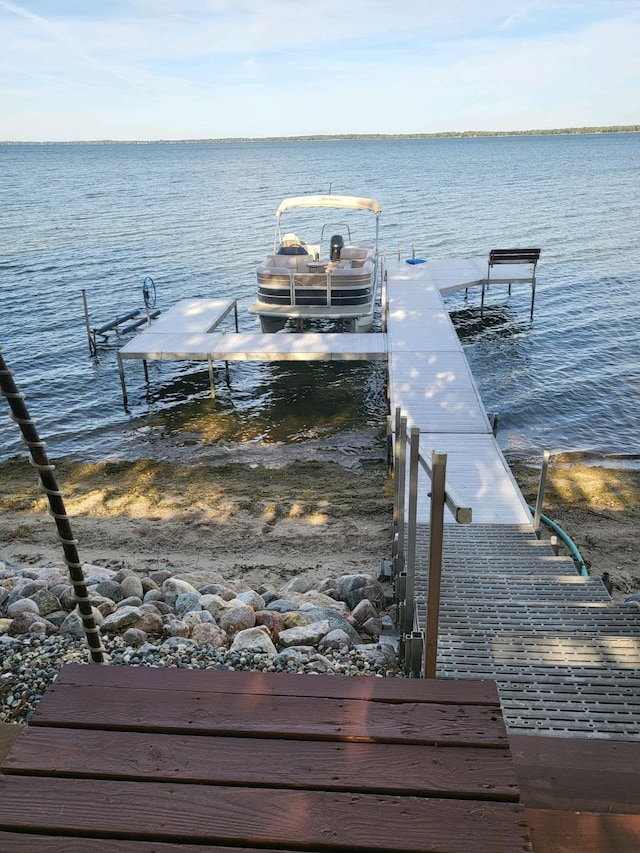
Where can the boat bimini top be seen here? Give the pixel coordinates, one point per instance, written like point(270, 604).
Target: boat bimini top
point(335, 202)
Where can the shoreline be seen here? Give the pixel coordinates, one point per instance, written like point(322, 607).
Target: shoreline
point(310, 519)
point(344, 137)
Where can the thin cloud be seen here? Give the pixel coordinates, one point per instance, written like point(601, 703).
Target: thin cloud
point(184, 68)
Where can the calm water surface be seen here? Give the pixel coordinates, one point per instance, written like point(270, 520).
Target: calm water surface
point(199, 217)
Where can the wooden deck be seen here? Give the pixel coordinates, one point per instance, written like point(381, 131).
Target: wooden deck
point(133, 759)
point(582, 795)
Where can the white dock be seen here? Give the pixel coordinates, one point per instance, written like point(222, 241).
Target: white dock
point(564, 656)
point(191, 331)
point(430, 381)
point(429, 378)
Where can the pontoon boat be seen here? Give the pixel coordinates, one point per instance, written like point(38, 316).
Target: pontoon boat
point(332, 279)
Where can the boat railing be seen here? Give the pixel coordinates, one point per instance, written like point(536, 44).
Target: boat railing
point(419, 649)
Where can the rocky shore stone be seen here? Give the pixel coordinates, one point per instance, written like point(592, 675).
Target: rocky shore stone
point(22, 605)
point(254, 638)
point(209, 634)
point(110, 589)
point(46, 601)
point(121, 619)
point(352, 589)
point(132, 586)
point(272, 620)
point(308, 635)
point(236, 619)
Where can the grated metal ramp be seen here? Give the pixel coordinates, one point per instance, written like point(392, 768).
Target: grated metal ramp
point(565, 657)
point(554, 684)
point(543, 589)
point(493, 549)
point(541, 618)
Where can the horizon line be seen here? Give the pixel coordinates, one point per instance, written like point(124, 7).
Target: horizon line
point(316, 137)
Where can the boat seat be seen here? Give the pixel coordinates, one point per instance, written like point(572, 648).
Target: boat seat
point(296, 263)
point(357, 255)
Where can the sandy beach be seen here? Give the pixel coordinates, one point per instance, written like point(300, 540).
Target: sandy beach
point(314, 519)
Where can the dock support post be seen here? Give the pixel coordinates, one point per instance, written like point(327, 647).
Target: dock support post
point(389, 447)
point(533, 295)
point(211, 383)
point(436, 535)
point(414, 452)
point(541, 489)
point(146, 370)
point(122, 382)
point(235, 312)
point(92, 343)
point(411, 647)
point(400, 477)
point(482, 300)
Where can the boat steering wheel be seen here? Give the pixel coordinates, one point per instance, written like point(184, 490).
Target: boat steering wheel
point(149, 292)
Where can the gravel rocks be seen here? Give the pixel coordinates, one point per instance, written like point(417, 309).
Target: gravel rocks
point(187, 620)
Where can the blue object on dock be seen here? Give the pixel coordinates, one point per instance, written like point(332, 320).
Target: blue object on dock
point(415, 261)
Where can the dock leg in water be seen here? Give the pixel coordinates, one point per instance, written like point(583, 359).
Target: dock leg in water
point(211, 385)
point(122, 382)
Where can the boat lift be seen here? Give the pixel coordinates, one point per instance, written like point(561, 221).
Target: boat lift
point(93, 333)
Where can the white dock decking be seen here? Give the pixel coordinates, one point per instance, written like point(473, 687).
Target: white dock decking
point(430, 381)
point(429, 378)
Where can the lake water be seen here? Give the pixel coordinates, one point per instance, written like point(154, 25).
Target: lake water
point(198, 218)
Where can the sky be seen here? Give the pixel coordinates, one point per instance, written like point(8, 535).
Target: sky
point(193, 69)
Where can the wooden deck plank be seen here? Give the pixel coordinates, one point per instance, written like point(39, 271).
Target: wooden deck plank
point(12, 842)
point(571, 774)
point(269, 716)
point(482, 774)
point(589, 753)
point(576, 832)
point(261, 817)
point(442, 691)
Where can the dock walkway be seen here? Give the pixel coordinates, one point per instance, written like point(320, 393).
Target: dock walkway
point(564, 656)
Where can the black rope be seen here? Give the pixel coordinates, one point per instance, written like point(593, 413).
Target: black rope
point(39, 460)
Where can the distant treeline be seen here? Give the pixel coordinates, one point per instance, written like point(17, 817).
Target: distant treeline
point(628, 128)
point(631, 128)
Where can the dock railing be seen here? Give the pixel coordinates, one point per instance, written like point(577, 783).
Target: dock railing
point(419, 651)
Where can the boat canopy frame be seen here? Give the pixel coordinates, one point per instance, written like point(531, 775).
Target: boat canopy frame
point(336, 202)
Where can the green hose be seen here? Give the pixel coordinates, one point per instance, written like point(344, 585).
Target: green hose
point(568, 541)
